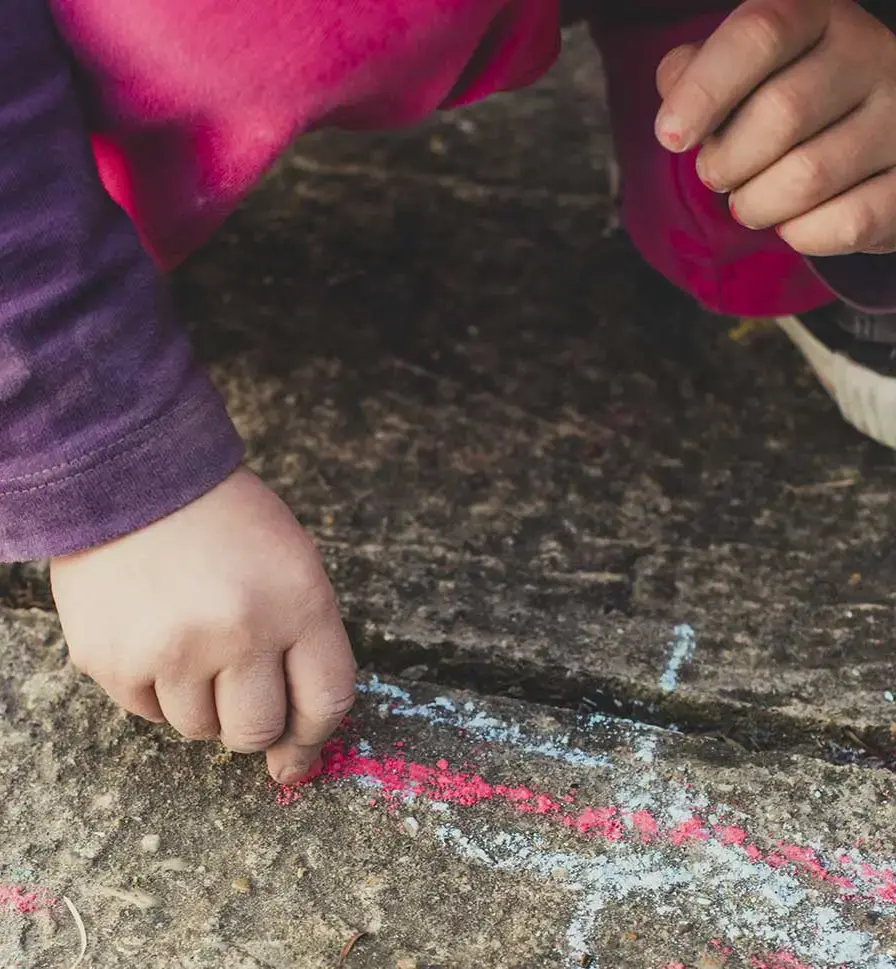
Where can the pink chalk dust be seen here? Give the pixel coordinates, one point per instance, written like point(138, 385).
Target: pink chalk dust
point(25, 901)
point(396, 776)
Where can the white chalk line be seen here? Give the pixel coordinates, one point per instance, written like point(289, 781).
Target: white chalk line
point(781, 913)
point(643, 790)
point(713, 864)
point(444, 712)
point(681, 650)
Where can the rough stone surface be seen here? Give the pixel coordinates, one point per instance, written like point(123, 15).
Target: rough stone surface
point(456, 833)
point(534, 471)
point(522, 452)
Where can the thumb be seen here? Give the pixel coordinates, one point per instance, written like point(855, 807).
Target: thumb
point(672, 66)
point(320, 690)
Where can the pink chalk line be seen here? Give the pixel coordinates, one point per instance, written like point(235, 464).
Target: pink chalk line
point(25, 901)
point(395, 776)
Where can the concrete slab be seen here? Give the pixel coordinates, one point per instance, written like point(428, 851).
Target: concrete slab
point(525, 456)
point(453, 831)
point(527, 460)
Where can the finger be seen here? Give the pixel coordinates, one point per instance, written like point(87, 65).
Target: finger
point(189, 706)
point(251, 706)
point(140, 700)
point(784, 112)
point(672, 66)
point(861, 220)
point(755, 41)
point(320, 676)
point(826, 166)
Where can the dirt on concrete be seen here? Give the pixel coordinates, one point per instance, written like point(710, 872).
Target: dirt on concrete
point(534, 471)
point(450, 830)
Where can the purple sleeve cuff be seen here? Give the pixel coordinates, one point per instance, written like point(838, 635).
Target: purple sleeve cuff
point(160, 467)
point(106, 423)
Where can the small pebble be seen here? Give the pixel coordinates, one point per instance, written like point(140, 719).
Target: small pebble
point(174, 864)
point(301, 872)
point(150, 843)
point(408, 962)
point(241, 885)
point(411, 826)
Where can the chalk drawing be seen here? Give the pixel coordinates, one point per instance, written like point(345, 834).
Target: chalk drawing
point(444, 712)
point(681, 649)
point(658, 838)
point(781, 912)
point(25, 901)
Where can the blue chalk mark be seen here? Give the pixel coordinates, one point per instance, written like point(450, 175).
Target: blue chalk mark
point(682, 649)
point(443, 712)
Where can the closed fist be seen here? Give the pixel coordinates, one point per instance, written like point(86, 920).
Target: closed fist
point(218, 619)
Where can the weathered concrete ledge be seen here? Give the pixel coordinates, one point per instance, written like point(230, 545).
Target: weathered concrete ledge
point(456, 832)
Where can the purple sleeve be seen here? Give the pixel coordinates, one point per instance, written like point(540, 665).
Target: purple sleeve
point(106, 423)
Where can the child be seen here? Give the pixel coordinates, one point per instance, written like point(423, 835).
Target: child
point(185, 587)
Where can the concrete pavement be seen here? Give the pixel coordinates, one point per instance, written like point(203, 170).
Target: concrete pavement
point(536, 473)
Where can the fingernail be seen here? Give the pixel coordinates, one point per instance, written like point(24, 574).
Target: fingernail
point(707, 181)
point(296, 774)
point(670, 133)
point(734, 214)
point(290, 776)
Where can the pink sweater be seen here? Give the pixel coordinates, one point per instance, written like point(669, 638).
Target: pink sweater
point(189, 112)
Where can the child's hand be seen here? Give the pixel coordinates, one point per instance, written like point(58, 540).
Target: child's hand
point(794, 102)
point(220, 620)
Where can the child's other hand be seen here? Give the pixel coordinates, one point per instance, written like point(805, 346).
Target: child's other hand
point(794, 102)
point(219, 620)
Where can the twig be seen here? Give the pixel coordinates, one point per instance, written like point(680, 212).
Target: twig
point(82, 932)
point(347, 948)
point(818, 487)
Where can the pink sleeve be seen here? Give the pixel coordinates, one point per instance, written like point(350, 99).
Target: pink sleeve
point(194, 99)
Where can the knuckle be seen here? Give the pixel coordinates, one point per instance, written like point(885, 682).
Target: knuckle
point(174, 653)
point(332, 706)
point(320, 609)
point(314, 594)
point(768, 29)
point(128, 690)
point(227, 615)
point(858, 228)
point(698, 92)
point(811, 175)
point(251, 738)
point(225, 624)
point(307, 569)
point(784, 105)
